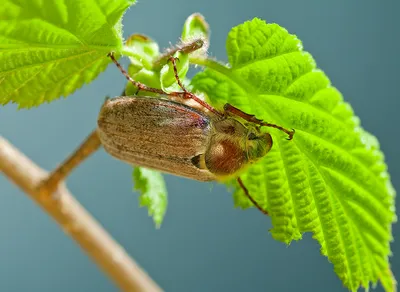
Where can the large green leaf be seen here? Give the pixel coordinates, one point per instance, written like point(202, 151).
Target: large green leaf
point(51, 48)
point(331, 179)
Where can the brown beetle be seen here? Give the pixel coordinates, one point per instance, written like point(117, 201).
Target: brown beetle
point(198, 143)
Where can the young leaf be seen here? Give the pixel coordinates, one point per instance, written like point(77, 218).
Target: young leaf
point(142, 52)
point(51, 48)
point(153, 192)
point(331, 179)
point(194, 27)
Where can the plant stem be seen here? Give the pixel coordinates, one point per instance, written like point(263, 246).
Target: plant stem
point(210, 63)
point(75, 221)
point(90, 145)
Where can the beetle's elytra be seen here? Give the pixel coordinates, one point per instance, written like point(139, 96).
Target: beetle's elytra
point(198, 143)
point(172, 137)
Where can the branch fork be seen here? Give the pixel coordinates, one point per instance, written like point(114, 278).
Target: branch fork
point(51, 194)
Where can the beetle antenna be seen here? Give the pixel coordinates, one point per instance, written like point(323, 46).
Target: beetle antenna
point(246, 192)
point(230, 109)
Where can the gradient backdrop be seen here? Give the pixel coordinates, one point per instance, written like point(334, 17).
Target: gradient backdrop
point(204, 244)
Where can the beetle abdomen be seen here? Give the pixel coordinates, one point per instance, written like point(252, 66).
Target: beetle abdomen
point(155, 133)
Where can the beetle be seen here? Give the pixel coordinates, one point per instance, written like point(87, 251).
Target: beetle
point(166, 134)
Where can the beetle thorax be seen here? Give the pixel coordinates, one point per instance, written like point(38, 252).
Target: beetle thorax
point(233, 145)
point(226, 153)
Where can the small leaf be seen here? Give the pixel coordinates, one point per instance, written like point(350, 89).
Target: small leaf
point(331, 179)
point(196, 27)
point(196, 30)
point(153, 192)
point(142, 52)
point(51, 48)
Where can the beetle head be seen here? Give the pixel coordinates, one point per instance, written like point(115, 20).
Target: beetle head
point(257, 144)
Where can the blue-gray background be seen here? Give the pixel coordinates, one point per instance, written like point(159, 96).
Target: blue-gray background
point(204, 244)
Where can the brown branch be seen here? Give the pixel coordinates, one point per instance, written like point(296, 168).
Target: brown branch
point(90, 145)
point(75, 221)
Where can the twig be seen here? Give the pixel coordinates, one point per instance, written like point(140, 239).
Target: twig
point(75, 221)
point(90, 145)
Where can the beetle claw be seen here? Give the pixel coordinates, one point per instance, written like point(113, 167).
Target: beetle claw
point(291, 134)
point(173, 60)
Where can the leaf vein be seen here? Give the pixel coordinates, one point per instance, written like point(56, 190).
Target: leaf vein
point(358, 161)
point(42, 64)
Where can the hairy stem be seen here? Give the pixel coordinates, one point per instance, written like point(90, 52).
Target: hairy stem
point(75, 221)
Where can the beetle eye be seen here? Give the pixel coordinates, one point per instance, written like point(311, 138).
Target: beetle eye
point(252, 136)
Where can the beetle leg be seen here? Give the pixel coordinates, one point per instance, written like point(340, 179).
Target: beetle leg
point(188, 95)
point(184, 94)
point(246, 192)
point(290, 133)
point(230, 109)
point(173, 61)
point(139, 85)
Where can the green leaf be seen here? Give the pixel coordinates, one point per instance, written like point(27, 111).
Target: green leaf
point(142, 52)
point(331, 179)
point(52, 48)
point(195, 26)
point(153, 192)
